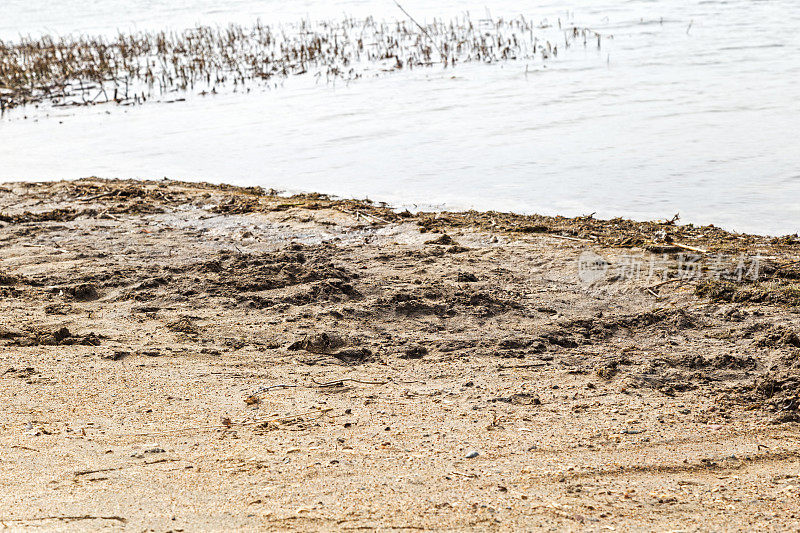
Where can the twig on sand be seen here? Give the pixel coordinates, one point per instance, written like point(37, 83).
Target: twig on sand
point(379, 219)
point(279, 386)
point(316, 384)
point(18, 447)
point(65, 518)
point(97, 471)
point(527, 365)
point(340, 382)
point(227, 423)
point(358, 214)
point(565, 237)
point(690, 248)
point(98, 196)
point(112, 469)
point(657, 285)
point(287, 418)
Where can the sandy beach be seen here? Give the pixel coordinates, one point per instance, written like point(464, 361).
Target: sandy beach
point(183, 357)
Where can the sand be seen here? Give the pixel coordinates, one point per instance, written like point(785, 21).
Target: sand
point(184, 357)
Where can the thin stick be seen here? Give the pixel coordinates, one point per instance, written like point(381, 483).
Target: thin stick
point(473, 476)
point(529, 365)
point(97, 471)
point(317, 384)
point(379, 219)
point(657, 285)
point(360, 214)
point(423, 30)
point(576, 239)
point(112, 469)
point(690, 248)
point(67, 518)
point(566, 238)
point(336, 382)
point(281, 386)
point(97, 196)
point(217, 426)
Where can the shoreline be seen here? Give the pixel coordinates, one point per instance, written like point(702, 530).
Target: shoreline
point(555, 222)
point(188, 355)
point(510, 221)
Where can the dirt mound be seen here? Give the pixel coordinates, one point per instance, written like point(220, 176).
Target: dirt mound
point(722, 361)
point(55, 215)
point(183, 325)
point(779, 393)
point(779, 336)
point(58, 337)
point(84, 292)
point(7, 280)
point(576, 332)
point(445, 301)
point(782, 292)
point(332, 348)
point(306, 273)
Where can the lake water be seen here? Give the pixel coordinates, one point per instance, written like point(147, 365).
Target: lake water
point(693, 107)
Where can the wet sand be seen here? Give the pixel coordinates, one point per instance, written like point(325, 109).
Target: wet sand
point(190, 357)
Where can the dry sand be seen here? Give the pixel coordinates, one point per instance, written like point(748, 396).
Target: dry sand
point(183, 357)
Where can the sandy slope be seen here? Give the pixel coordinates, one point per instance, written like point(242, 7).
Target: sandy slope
point(186, 357)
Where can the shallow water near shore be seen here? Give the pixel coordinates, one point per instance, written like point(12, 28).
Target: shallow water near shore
point(691, 107)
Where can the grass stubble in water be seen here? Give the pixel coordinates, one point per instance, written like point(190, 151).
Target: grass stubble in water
point(133, 67)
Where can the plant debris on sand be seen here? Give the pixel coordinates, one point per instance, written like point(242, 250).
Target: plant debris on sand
point(309, 362)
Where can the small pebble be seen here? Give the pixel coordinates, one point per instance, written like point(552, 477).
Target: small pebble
point(472, 455)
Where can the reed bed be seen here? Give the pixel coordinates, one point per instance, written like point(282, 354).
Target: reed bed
point(131, 68)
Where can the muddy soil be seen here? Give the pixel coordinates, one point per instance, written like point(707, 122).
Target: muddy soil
point(182, 357)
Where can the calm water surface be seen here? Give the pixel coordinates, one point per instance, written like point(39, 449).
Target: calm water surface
point(692, 107)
